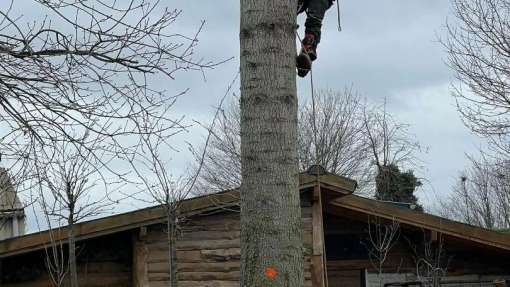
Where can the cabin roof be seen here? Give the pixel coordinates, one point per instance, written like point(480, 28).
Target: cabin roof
point(333, 185)
point(338, 199)
point(363, 207)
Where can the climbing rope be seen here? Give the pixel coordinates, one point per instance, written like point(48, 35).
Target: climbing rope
point(315, 132)
point(338, 16)
point(317, 155)
point(314, 120)
point(314, 111)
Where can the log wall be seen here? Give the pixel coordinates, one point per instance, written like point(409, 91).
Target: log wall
point(208, 251)
point(102, 262)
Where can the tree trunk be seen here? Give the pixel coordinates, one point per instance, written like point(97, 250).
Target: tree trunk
point(73, 273)
point(172, 248)
point(271, 241)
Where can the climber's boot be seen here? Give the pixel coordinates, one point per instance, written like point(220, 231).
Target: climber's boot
point(307, 55)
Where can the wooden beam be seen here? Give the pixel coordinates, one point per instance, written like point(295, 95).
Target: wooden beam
point(142, 235)
point(140, 256)
point(434, 236)
point(318, 268)
point(334, 182)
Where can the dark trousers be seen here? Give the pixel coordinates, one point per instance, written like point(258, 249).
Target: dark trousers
point(315, 11)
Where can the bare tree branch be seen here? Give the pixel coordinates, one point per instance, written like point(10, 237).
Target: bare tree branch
point(479, 53)
point(345, 145)
point(88, 69)
point(482, 194)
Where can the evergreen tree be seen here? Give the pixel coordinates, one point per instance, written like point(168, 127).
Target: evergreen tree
point(395, 185)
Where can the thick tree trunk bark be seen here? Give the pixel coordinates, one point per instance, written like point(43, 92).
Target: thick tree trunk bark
point(271, 242)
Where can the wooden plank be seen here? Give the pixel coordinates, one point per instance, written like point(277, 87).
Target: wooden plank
point(209, 276)
point(317, 271)
point(339, 183)
point(345, 278)
point(199, 284)
point(231, 265)
point(349, 264)
point(434, 236)
point(140, 256)
point(317, 240)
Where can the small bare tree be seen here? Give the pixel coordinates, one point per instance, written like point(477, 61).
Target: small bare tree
point(392, 148)
point(56, 263)
point(479, 54)
point(68, 178)
point(221, 167)
point(163, 189)
point(381, 239)
point(155, 179)
point(431, 259)
point(482, 194)
point(390, 141)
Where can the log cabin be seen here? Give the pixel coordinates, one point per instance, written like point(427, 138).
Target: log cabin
point(345, 238)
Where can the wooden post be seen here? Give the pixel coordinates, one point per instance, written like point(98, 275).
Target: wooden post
point(140, 254)
point(434, 236)
point(318, 265)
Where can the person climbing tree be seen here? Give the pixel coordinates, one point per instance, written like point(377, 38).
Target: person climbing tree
point(315, 11)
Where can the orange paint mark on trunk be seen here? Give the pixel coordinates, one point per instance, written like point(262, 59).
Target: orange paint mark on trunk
point(271, 272)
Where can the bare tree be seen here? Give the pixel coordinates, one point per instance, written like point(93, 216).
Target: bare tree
point(343, 147)
point(390, 141)
point(431, 259)
point(163, 189)
point(154, 178)
point(57, 264)
point(381, 239)
point(67, 179)
point(482, 194)
point(392, 148)
point(271, 233)
point(78, 86)
point(479, 53)
point(221, 167)
point(87, 67)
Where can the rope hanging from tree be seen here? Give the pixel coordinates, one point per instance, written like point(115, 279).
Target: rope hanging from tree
point(338, 16)
point(318, 170)
point(314, 120)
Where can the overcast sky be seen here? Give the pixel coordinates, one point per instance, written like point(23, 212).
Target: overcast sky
point(387, 49)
